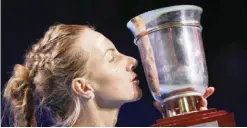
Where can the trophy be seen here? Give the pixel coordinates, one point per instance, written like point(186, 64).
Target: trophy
point(170, 45)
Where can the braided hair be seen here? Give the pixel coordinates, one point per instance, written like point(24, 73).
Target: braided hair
point(48, 70)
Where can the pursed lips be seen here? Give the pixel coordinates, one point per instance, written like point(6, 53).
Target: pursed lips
point(134, 79)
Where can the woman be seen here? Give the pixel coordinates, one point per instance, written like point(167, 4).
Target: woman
point(79, 76)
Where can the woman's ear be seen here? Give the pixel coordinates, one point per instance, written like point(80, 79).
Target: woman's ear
point(83, 88)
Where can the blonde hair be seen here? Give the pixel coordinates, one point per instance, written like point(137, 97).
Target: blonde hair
point(48, 70)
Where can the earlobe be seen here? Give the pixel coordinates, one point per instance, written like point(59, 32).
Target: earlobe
point(83, 88)
point(90, 95)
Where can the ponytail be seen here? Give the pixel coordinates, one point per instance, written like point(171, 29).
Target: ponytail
point(19, 92)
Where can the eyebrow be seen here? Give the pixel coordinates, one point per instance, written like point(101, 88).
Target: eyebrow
point(109, 49)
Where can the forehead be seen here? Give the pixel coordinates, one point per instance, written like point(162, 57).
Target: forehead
point(93, 41)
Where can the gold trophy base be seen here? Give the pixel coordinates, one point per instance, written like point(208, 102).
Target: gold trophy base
point(184, 112)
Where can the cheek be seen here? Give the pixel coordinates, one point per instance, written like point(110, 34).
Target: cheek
point(113, 81)
point(117, 84)
point(118, 74)
point(120, 80)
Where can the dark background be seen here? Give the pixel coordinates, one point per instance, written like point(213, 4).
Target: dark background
point(224, 36)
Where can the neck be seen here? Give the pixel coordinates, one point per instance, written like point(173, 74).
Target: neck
point(92, 115)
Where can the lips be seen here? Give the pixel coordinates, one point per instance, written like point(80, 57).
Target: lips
point(135, 80)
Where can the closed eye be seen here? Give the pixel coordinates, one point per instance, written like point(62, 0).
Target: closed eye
point(109, 55)
point(109, 50)
point(113, 59)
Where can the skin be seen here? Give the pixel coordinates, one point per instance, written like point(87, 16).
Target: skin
point(108, 82)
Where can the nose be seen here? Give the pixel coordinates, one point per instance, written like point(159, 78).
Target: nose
point(132, 64)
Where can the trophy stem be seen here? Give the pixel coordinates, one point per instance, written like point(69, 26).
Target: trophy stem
point(181, 106)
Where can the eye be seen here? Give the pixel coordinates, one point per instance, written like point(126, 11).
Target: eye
point(112, 59)
point(110, 56)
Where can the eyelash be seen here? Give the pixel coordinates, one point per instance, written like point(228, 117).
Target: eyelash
point(113, 58)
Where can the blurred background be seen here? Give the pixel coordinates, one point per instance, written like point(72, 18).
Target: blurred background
point(224, 37)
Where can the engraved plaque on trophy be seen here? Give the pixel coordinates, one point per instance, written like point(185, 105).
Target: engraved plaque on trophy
point(171, 49)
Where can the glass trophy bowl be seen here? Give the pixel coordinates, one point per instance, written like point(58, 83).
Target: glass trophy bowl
point(170, 45)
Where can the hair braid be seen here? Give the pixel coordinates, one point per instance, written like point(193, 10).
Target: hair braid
point(50, 66)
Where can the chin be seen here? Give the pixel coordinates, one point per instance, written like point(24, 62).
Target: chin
point(136, 96)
